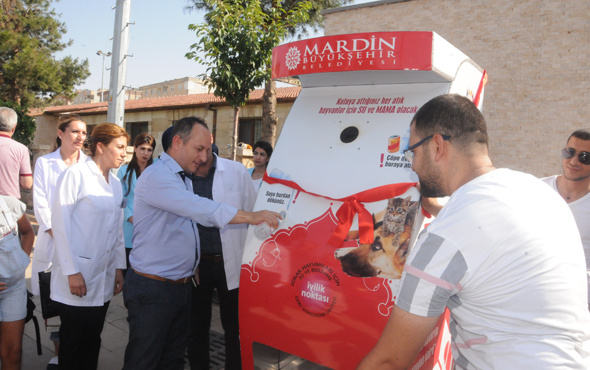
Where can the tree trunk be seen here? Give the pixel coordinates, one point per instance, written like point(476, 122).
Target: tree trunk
point(234, 141)
point(269, 116)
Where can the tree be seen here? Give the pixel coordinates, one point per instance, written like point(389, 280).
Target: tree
point(30, 35)
point(275, 11)
point(237, 50)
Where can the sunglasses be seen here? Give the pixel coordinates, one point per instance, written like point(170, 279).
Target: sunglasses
point(409, 153)
point(569, 153)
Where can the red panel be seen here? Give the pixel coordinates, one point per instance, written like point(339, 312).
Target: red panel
point(354, 52)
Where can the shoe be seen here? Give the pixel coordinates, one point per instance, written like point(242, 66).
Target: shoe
point(53, 363)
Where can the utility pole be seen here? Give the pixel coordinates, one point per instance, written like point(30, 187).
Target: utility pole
point(104, 55)
point(116, 109)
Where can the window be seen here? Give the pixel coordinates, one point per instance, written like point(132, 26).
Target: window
point(249, 130)
point(134, 129)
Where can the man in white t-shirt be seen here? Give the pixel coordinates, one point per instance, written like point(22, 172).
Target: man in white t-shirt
point(503, 256)
point(574, 185)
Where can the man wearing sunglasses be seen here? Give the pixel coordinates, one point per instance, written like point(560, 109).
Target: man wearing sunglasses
point(503, 255)
point(574, 185)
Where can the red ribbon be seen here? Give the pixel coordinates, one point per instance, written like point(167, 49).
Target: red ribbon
point(482, 83)
point(352, 205)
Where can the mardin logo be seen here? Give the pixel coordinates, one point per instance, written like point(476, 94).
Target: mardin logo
point(293, 57)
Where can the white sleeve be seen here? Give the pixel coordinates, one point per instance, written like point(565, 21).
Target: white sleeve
point(249, 191)
point(41, 204)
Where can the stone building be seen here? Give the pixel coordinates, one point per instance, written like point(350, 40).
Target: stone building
point(179, 86)
point(157, 114)
point(536, 54)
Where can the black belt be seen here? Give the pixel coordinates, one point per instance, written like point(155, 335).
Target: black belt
point(212, 257)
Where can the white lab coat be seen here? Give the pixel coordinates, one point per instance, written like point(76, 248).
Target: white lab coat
point(233, 185)
point(87, 219)
point(47, 170)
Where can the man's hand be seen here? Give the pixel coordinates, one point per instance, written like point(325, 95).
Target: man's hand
point(196, 277)
point(258, 217)
point(3, 286)
point(77, 284)
point(118, 281)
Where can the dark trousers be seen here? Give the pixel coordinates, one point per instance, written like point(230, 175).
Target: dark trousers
point(127, 252)
point(212, 276)
point(158, 315)
point(79, 336)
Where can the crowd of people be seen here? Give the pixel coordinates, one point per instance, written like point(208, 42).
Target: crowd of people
point(507, 254)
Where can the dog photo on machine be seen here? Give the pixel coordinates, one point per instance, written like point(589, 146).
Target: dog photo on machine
point(385, 257)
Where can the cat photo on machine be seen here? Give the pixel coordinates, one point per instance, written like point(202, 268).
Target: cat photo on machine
point(385, 257)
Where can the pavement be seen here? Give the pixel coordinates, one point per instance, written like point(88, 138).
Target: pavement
point(115, 334)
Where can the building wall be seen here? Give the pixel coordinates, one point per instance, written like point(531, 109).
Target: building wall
point(159, 121)
point(536, 53)
point(179, 86)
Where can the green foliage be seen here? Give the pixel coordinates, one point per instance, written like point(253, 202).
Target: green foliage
point(236, 45)
point(314, 22)
point(30, 35)
point(25, 128)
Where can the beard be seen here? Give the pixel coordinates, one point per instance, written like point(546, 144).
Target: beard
point(431, 189)
point(430, 182)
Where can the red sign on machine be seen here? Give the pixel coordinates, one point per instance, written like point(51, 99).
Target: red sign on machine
point(354, 52)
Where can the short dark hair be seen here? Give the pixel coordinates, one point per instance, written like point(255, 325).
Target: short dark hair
point(184, 126)
point(264, 145)
point(455, 116)
point(167, 138)
point(582, 134)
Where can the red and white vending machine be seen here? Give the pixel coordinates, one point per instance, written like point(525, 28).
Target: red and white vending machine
point(316, 293)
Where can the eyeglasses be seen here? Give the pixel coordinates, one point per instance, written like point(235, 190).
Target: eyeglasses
point(569, 153)
point(409, 153)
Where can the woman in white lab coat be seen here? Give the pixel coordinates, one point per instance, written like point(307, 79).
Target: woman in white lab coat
point(71, 134)
point(87, 221)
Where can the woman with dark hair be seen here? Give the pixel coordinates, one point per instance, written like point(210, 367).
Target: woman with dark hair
point(262, 151)
point(71, 135)
point(87, 220)
point(143, 150)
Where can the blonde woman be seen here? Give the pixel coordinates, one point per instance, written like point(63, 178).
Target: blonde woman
point(71, 134)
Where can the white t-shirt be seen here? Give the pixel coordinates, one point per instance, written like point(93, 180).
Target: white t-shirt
point(505, 257)
point(581, 211)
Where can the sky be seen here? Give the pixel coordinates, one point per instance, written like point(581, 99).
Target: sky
point(158, 40)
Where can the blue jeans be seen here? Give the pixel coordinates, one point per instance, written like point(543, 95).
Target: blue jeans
point(158, 316)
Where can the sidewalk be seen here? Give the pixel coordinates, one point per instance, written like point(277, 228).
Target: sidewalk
point(114, 335)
